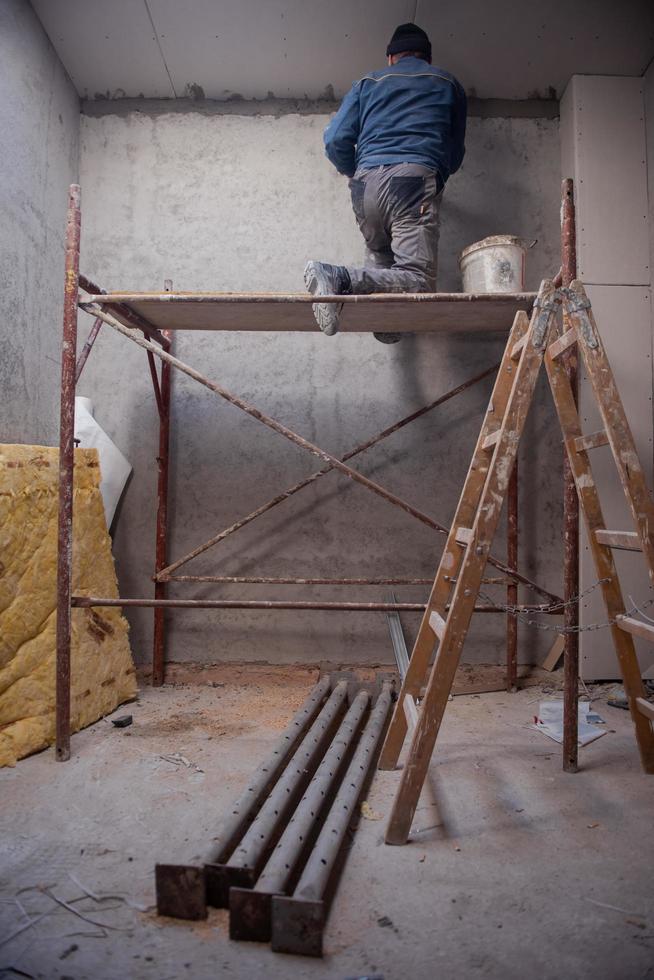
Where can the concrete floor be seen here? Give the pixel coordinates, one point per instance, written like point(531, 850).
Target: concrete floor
point(521, 871)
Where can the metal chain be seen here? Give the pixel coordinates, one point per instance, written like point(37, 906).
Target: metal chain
point(552, 606)
point(522, 618)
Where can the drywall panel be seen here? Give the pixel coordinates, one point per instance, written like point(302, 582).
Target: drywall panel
point(610, 162)
point(110, 50)
point(567, 132)
point(623, 315)
point(515, 50)
point(603, 149)
point(249, 48)
point(281, 47)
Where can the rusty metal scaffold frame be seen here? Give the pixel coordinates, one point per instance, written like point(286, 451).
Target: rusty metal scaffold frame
point(158, 346)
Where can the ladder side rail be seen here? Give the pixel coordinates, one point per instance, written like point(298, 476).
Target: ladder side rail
point(618, 430)
point(467, 586)
point(602, 554)
point(453, 552)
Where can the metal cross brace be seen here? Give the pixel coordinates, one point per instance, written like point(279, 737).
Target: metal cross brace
point(293, 437)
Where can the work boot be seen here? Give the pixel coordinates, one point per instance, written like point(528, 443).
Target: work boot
point(388, 338)
point(322, 279)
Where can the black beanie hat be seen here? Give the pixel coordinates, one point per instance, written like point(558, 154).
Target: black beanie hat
point(409, 37)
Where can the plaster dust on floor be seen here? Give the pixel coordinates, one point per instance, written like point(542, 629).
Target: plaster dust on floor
point(517, 869)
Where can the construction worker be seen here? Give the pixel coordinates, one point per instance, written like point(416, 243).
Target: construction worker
point(398, 135)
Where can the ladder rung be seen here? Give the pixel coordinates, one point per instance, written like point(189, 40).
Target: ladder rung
point(592, 441)
point(559, 346)
point(645, 708)
point(410, 711)
point(463, 535)
point(636, 627)
point(490, 440)
point(622, 540)
point(437, 623)
point(518, 347)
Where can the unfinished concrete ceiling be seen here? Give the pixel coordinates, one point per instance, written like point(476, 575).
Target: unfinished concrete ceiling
point(293, 48)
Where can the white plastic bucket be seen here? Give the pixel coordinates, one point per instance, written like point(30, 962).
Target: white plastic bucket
point(494, 265)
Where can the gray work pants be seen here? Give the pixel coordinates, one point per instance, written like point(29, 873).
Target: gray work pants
point(397, 209)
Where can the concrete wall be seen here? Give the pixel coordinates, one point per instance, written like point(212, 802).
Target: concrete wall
point(234, 202)
point(39, 122)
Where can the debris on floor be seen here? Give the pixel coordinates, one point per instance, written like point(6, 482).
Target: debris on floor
point(177, 759)
point(123, 721)
point(549, 721)
point(131, 808)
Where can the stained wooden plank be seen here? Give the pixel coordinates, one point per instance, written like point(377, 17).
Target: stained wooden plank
point(645, 708)
point(637, 628)
point(555, 654)
point(413, 313)
point(592, 441)
point(559, 346)
point(437, 623)
point(491, 440)
point(620, 540)
point(518, 348)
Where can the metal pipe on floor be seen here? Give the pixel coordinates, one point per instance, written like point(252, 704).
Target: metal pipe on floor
point(181, 888)
point(362, 447)
point(245, 862)
point(250, 908)
point(298, 920)
point(298, 440)
point(66, 476)
point(570, 510)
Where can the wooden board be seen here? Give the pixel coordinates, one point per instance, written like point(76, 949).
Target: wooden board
point(422, 312)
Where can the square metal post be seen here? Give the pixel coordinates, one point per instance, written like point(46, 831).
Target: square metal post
point(66, 467)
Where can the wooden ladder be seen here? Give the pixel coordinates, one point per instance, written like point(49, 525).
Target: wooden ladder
point(615, 433)
point(451, 602)
point(463, 560)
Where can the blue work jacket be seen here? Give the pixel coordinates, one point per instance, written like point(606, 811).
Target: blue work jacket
point(410, 112)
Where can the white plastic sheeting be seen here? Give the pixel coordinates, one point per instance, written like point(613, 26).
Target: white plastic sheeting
point(114, 468)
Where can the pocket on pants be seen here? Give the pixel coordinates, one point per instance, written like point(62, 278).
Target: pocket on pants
point(406, 195)
point(357, 193)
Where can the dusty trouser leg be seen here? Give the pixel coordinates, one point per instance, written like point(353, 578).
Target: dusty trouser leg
point(382, 259)
point(397, 210)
